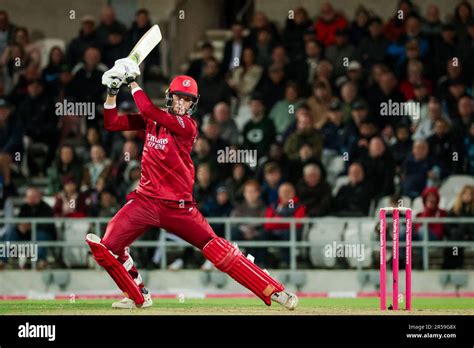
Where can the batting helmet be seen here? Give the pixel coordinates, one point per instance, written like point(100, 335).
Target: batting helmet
point(183, 85)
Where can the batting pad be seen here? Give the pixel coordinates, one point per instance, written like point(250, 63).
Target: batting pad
point(115, 269)
point(229, 259)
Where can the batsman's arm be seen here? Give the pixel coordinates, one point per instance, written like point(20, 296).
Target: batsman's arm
point(181, 126)
point(115, 122)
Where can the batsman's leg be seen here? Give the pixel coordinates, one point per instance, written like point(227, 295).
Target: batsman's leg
point(112, 252)
point(189, 224)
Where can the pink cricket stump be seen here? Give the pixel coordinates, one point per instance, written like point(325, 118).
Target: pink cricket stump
point(395, 250)
point(408, 260)
point(383, 261)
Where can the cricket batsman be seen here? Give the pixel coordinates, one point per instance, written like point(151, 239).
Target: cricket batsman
point(163, 197)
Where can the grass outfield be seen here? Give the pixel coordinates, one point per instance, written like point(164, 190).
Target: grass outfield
point(307, 306)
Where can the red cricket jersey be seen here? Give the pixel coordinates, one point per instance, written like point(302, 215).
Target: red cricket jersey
point(167, 171)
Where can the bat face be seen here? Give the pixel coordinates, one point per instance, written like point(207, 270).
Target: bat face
point(146, 44)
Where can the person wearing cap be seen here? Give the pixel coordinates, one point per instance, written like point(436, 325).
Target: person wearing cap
point(164, 195)
point(87, 38)
point(372, 48)
point(333, 130)
point(11, 144)
point(340, 52)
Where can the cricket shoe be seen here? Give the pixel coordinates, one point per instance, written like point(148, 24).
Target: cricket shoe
point(286, 299)
point(127, 303)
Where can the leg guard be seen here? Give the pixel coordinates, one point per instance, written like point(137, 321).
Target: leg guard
point(229, 259)
point(115, 269)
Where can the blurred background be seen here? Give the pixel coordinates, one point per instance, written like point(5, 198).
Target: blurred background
point(300, 82)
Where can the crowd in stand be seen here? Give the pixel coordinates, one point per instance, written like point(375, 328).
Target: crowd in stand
point(299, 96)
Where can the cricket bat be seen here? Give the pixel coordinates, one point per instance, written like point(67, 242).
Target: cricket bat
point(146, 44)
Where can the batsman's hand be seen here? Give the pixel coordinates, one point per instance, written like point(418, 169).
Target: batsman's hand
point(129, 68)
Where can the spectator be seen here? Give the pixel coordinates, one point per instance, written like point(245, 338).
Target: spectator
point(425, 127)
point(245, 78)
point(86, 84)
point(288, 205)
point(212, 88)
point(69, 202)
point(304, 133)
point(442, 147)
point(402, 146)
point(7, 31)
point(333, 130)
point(11, 145)
point(305, 69)
point(99, 166)
point(463, 207)
point(314, 192)
point(466, 49)
point(259, 132)
point(468, 151)
point(294, 32)
point(228, 129)
point(261, 22)
point(108, 203)
point(340, 52)
point(21, 38)
point(379, 167)
point(34, 207)
point(87, 38)
point(54, 74)
point(464, 117)
point(272, 87)
point(305, 156)
point(271, 182)
point(277, 155)
point(252, 206)
point(328, 22)
point(235, 183)
point(431, 209)
point(359, 26)
point(196, 67)
point(233, 48)
point(264, 47)
point(67, 165)
point(352, 133)
point(372, 48)
point(282, 113)
point(414, 78)
point(202, 154)
point(432, 25)
point(462, 16)
point(121, 169)
point(445, 49)
point(140, 26)
point(397, 50)
point(395, 26)
point(219, 206)
point(353, 199)
point(204, 188)
point(349, 95)
point(108, 27)
point(416, 169)
point(319, 102)
point(36, 114)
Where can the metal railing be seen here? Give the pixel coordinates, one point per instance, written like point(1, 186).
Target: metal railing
point(293, 243)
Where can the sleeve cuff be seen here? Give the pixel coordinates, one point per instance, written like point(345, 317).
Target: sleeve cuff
point(110, 106)
point(136, 89)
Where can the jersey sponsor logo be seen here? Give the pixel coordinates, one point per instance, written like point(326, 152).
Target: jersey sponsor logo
point(180, 121)
point(155, 142)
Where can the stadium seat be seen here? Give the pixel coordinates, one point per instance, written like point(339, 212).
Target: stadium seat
point(324, 233)
point(335, 166)
point(340, 181)
point(451, 187)
point(45, 46)
point(74, 231)
point(351, 236)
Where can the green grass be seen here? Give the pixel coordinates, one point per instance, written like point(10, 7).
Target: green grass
point(308, 306)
